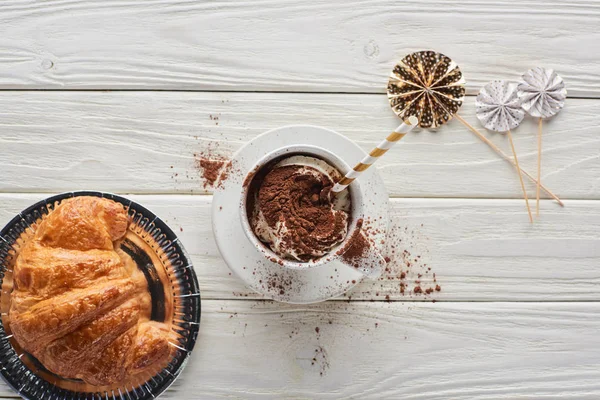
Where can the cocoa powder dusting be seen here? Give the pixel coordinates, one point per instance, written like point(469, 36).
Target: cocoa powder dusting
point(406, 272)
point(356, 248)
point(250, 177)
point(213, 167)
point(210, 169)
point(295, 197)
point(409, 268)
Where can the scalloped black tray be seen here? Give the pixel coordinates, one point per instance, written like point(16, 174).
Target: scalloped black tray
point(30, 379)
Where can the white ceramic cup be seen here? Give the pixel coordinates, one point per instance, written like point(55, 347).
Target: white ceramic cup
point(370, 262)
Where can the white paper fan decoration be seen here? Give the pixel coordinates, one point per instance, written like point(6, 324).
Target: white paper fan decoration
point(498, 106)
point(542, 92)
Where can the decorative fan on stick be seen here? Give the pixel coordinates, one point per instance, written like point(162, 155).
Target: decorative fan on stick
point(498, 108)
point(542, 94)
point(430, 86)
point(427, 85)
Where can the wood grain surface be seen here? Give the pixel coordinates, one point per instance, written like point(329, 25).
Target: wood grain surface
point(362, 350)
point(124, 96)
point(128, 141)
point(266, 45)
point(479, 250)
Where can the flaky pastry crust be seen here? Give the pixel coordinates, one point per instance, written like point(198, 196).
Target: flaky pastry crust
point(79, 304)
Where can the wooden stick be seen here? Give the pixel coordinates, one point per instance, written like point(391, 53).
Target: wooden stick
point(507, 158)
point(512, 145)
point(539, 171)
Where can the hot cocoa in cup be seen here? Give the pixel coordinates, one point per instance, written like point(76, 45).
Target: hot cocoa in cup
point(290, 215)
point(291, 210)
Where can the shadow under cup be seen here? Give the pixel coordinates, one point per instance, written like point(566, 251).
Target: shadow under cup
point(253, 180)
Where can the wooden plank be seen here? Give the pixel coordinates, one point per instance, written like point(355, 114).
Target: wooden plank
point(333, 46)
point(128, 141)
point(480, 250)
point(363, 350)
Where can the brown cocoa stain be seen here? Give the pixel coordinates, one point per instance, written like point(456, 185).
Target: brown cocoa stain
point(225, 173)
point(406, 266)
point(321, 359)
point(356, 248)
point(250, 176)
point(213, 171)
point(210, 170)
point(406, 272)
point(319, 328)
point(213, 167)
point(280, 285)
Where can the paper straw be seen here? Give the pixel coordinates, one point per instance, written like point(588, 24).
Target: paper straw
point(377, 152)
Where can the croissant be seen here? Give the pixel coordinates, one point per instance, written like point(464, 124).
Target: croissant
point(79, 304)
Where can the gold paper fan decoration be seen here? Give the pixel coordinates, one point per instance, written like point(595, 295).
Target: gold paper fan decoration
point(429, 86)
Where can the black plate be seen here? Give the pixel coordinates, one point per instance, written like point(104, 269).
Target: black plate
point(30, 379)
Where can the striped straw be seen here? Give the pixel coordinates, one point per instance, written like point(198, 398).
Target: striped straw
point(377, 152)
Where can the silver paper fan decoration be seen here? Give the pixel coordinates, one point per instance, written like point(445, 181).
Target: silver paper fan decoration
point(498, 106)
point(542, 92)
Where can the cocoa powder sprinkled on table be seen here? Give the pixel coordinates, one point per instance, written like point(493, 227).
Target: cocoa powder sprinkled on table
point(407, 266)
point(321, 360)
point(213, 167)
point(210, 169)
point(214, 172)
point(314, 329)
point(406, 272)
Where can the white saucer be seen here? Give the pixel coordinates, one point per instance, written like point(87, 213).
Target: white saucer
point(268, 278)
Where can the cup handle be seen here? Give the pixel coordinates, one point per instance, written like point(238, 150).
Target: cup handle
point(360, 254)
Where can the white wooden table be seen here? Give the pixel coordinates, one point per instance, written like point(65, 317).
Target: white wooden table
point(109, 94)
